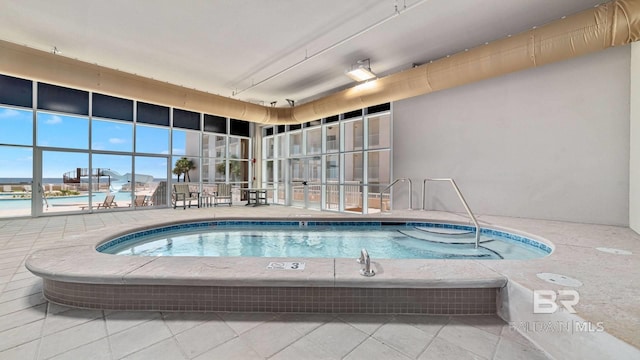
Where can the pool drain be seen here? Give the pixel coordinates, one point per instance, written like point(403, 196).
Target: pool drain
point(559, 279)
point(614, 251)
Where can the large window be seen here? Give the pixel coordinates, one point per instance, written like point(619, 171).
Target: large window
point(92, 152)
point(340, 163)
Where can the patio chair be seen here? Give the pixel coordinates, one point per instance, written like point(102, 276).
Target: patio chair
point(140, 200)
point(181, 192)
point(109, 202)
point(223, 195)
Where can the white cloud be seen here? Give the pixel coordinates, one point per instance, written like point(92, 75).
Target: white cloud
point(117, 141)
point(8, 113)
point(55, 119)
point(178, 151)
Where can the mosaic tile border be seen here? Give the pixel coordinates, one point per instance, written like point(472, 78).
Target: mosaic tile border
point(473, 301)
point(244, 223)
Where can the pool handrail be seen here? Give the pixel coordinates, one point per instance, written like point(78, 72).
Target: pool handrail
point(391, 185)
point(464, 202)
point(366, 261)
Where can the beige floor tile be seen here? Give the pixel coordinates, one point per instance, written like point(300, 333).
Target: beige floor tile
point(365, 322)
point(440, 349)
point(138, 337)
point(180, 321)
point(20, 335)
point(271, 337)
point(64, 320)
point(72, 338)
point(166, 349)
point(21, 303)
point(408, 340)
point(97, 350)
point(373, 349)
point(470, 338)
point(243, 322)
point(22, 317)
point(305, 349)
point(25, 351)
point(336, 338)
point(512, 350)
point(430, 324)
point(235, 348)
point(121, 320)
point(204, 337)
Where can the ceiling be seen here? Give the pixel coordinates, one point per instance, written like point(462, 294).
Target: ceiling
point(268, 50)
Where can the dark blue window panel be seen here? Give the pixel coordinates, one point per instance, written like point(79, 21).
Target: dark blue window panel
point(153, 114)
point(378, 108)
point(16, 91)
point(186, 119)
point(110, 107)
point(331, 119)
point(281, 129)
point(268, 131)
point(352, 114)
point(295, 127)
point(216, 124)
point(240, 128)
point(58, 98)
point(312, 123)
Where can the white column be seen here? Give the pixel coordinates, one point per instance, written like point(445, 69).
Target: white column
point(634, 161)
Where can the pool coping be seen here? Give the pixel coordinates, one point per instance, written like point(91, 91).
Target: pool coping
point(84, 264)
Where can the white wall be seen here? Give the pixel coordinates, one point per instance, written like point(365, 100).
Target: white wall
point(634, 163)
point(549, 143)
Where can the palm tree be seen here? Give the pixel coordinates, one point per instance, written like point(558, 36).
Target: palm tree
point(183, 166)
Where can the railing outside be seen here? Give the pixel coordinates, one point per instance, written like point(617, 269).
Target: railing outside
point(391, 185)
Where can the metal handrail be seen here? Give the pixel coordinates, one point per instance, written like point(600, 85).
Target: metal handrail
point(366, 261)
point(393, 183)
point(464, 203)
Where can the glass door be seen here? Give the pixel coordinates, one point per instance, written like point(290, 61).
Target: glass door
point(61, 182)
point(306, 184)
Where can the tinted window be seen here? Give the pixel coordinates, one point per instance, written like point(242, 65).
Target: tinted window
point(186, 119)
point(112, 107)
point(216, 124)
point(352, 114)
point(58, 98)
point(378, 108)
point(14, 91)
point(153, 114)
point(240, 128)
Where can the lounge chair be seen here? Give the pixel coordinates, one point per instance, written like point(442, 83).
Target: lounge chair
point(109, 202)
point(181, 192)
point(140, 200)
point(222, 195)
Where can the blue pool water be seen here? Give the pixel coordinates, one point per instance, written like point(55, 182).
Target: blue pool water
point(326, 240)
point(13, 202)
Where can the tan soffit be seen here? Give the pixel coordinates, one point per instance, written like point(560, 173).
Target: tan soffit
point(612, 24)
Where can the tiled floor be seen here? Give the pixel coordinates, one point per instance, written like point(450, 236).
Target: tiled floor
point(31, 328)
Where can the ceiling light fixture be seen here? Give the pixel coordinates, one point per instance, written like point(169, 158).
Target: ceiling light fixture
point(361, 71)
point(55, 51)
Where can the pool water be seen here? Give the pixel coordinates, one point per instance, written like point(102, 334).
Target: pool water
point(381, 242)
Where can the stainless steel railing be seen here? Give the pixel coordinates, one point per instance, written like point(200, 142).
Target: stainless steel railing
point(391, 185)
point(464, 203)
point(366, 261)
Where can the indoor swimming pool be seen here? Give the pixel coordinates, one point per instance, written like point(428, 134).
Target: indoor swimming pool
point(326, 240)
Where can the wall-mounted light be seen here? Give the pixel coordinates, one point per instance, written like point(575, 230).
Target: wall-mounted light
point(291, 102)
point(273, 103)
point(361, 71)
